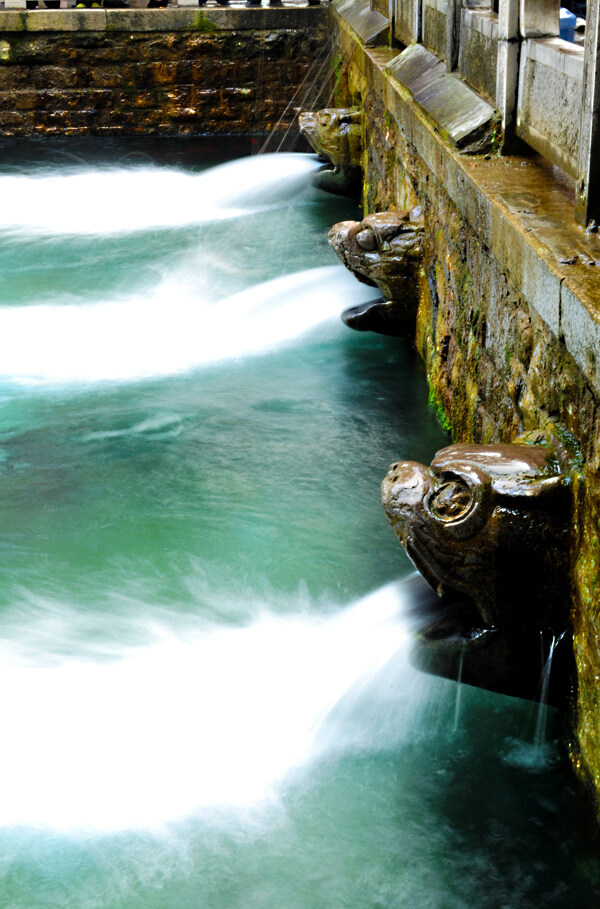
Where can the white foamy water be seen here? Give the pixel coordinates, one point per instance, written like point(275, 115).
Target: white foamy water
point(108, 201)
point(174, 329)
point(178, 727)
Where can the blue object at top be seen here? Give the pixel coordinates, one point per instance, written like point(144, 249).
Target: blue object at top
point(567, 24)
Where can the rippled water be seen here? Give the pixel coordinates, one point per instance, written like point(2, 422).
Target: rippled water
point(207, 696)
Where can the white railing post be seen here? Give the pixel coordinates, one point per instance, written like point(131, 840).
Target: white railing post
point(452, 34)
point(507, 73)
point(587, 190)
point(407, 21)
point(539, 18)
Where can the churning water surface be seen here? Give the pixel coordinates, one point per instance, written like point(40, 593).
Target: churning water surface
point(207, 698)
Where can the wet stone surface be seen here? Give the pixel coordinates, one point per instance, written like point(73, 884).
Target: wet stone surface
point(488, 527)
point(334, 133)
point(163, 72)
point(385, 249)
point(508, 319)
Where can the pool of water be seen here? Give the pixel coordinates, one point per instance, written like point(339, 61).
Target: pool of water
point(208, 698)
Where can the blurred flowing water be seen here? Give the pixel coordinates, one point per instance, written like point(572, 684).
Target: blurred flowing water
point(207, 699)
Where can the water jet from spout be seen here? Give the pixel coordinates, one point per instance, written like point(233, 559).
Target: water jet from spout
point(539, 737)
point(102, 201)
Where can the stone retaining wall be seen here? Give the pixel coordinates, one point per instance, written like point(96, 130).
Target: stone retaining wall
point(155, 72)
point(509, 319)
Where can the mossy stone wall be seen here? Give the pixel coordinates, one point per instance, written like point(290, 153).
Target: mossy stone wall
point(493, 322)
point(155, 72)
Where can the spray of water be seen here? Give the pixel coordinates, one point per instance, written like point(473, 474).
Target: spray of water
point(173, 330)
point(459, 687)
point(181, 726)
point(118, 200)
point(538, 753)
point(214, 717)
point(542, 717)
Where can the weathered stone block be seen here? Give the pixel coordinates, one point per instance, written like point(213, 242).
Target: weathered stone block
point(407, 21)
point(539, 19)
point(550, 93)
point(135, 101)
point(52, 77)
point(525, 270)
point(76, 20)
point(369, 24)
point(458, 111)
point(478, 54)
point(16, 77)
point(435, 14)
point(580, 327)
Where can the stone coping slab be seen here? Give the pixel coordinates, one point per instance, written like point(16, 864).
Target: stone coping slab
point(165, 20)
point(557, 54)
point(369, 24)
point(457, 109)
point(522, 209)
point(483, 21)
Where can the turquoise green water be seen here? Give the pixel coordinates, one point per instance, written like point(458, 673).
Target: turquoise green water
point(207, 695)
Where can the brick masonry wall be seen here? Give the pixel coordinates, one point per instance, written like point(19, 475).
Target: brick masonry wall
point(156, 72)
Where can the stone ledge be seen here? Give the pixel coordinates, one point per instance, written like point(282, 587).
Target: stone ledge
point(440, 6)
point(452, 105)
point(580, 323)
point(164, 20)
point(557, 54)
point(368, 24)
point(521, 209)
point(483, 21)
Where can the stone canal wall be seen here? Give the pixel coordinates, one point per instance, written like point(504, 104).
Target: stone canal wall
point(155, 71)
point(509, 317)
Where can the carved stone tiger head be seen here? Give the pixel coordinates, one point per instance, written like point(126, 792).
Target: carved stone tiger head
point(487, 526)
point(385, 250)
point(490, 522)
point(335, 133)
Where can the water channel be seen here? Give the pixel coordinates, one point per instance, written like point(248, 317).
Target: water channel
point(207, 697)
